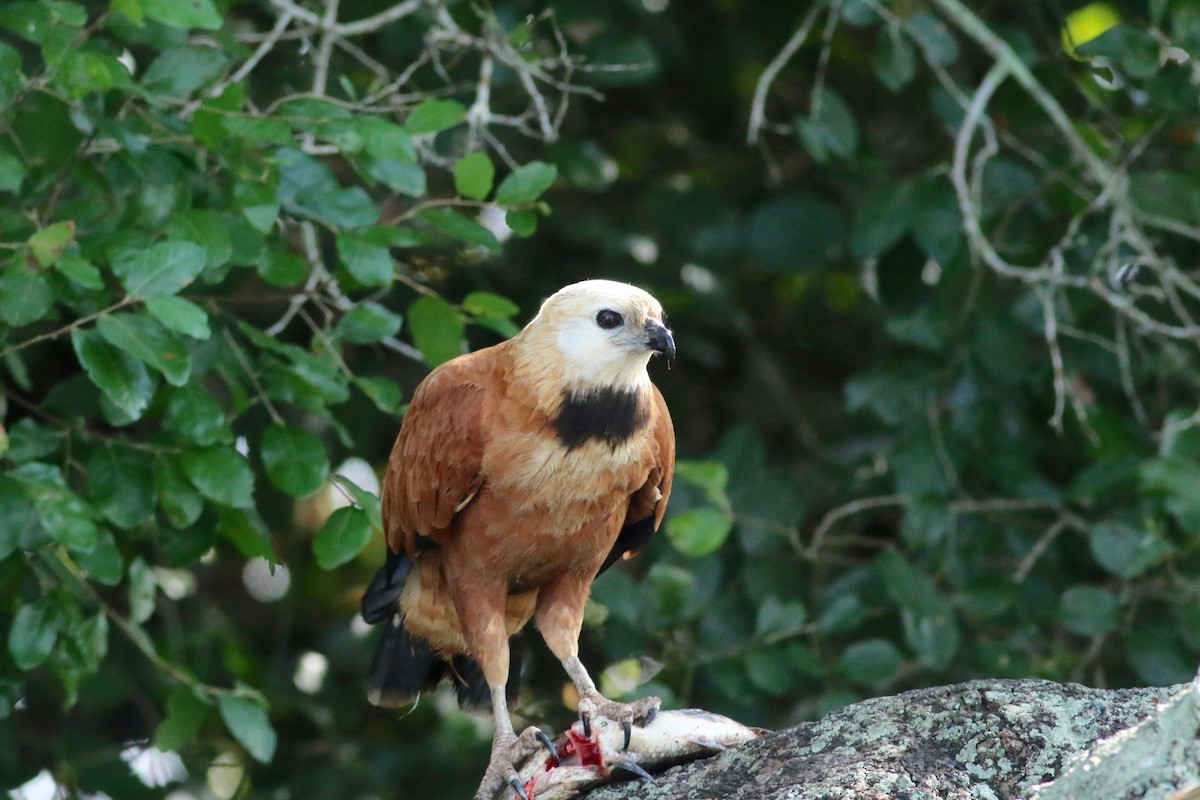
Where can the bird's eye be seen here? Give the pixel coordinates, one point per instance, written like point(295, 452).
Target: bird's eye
point(609, 319)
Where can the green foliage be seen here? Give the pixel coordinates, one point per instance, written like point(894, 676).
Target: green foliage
point(935, 398)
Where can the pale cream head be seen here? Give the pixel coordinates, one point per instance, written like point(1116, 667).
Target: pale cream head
point(602, 334)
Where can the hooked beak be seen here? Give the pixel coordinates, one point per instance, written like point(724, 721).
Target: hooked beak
point(659, 339)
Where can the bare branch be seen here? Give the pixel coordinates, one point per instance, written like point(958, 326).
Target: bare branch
point(758, 105)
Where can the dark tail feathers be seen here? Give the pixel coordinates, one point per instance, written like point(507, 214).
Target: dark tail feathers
point(404, 665)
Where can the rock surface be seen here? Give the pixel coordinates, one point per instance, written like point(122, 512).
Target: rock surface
point(981, 739)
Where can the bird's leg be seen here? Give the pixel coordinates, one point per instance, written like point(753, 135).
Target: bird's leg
point(559, 617)
point(592, 704)
point(481, 614)
point(508, 750)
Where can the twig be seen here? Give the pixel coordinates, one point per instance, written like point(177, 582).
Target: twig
point(135, 635)
point(124, 301)
point(377, 21)
point(758, 105)
point(250, 373)
point(1039, 547)
point(833, 516)
point(1050, 331)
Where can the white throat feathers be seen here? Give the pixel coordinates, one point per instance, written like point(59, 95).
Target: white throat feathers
point(588, 348)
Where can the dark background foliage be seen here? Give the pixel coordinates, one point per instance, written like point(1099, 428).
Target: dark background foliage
point(931, 276)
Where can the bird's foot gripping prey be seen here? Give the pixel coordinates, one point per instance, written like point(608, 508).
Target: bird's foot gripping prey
point(595, 705)
point(581, 761)
point(508, 751)
point(521, 472)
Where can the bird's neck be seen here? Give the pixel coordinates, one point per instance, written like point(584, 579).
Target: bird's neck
point(604, 402)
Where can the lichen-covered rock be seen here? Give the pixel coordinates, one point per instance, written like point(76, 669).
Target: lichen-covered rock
point(982, 739)
point(1151, 760)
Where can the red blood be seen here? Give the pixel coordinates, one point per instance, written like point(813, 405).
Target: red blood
point(589, 751)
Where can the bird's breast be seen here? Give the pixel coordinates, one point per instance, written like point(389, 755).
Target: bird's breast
point(541, 472)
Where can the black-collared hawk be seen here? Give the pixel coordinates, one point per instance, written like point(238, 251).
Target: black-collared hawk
point(520, 473)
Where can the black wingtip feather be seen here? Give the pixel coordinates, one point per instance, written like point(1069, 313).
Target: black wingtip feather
point(403, 667)
point(380, 600)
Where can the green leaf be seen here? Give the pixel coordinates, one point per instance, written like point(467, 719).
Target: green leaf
point(492, 311)
point(710, 476)
point(930, 626)
point(104, 563)
point(295, 459)
point(401, 176)
point(120, 486)
point(164, 269)
point(142, 589)
point(451, 223)
point(266, 130)
point(1166, 194)
point(776, 617)
point(1127, 550)
point(183, 13)
point(24, 294)
point(12, 171)
point(281, 267)
point(844, 613)
point(522, 221)
point(1175, 478)
point(49, 242)
point(89, 640)
point(366, 257)
point(1089, 610)
point(433, 115)
point(307, 184)
point(1134, 48)
point(769, 670)
point(831, 130)
point(247, 720)
point(883, 217)
point(342, 537)
point(130, 9)
point(259, 204)
point(699, 531)
point(473, 175)
point(937, 41)
point(385, 140)
point(181, 316)
point(27, 440)
point(197, 416)
point(123, 380)
point(80, 271)
point(180, 71)
point(384, 393)
point(365, 500)
point(222, 474)
point(33, 634)
point(186, 713)
point(367, 323)
point(871, 662)
point(437, 329)
point(63, 515)
point(146, 340)
point(486, 304)
point(179, 500)
point(246, 529)
point(526, 184)
point(211, 230)
point(895, 61)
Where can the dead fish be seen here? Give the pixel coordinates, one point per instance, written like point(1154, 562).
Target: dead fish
point(671, 737)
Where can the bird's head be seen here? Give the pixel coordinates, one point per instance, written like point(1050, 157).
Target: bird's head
point(600, 333)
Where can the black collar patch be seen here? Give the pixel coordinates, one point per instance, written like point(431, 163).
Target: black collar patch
point(610, 415)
